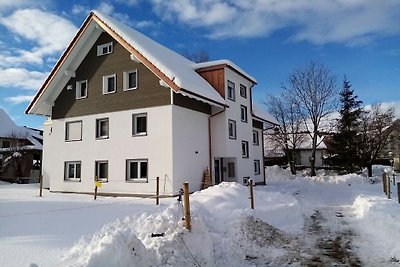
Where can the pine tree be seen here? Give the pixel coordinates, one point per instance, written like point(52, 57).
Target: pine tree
point(346, 140)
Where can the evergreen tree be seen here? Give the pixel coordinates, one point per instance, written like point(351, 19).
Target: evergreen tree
point(346, 141)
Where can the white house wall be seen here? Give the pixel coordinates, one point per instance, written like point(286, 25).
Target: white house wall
point(156, 146)
point(258, 153)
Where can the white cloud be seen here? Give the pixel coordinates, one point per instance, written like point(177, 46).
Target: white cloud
point(386, 105)
point(19, 99)
point(21, 78)
point(10, 4)
point(129, 2)
point(319, 22)
point(80, 9)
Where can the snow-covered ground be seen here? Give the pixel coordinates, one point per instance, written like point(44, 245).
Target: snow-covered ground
point(321, 221)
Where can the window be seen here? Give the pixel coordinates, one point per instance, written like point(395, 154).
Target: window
point(81, 89)
point(245, 149)
point(136, 170)
point(231, 169)
point(243, 91)
point(256, 138)
point(72, 171)
point(102, 128)
point(139, 124)
point(231, 91)
point(6, 144)
point(246, 180)
point(73, 131)
point(109, 84)
point(232, 129)
point(102, 170)
point(104, 49)
point(243, 113)
point(257, 166)
point(130, 80)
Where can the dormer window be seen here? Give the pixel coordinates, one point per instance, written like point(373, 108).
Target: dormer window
point(105, 49)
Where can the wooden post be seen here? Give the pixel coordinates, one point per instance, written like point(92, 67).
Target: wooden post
point(95, 188)
point(251, 194)
point(398, 191)
point(394, 179)
point(384, 182)
point(186, 205)
point(41, 186)
point(388, 188)
point(157, 190)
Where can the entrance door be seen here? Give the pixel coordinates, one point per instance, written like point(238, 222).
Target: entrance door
point(217, 171)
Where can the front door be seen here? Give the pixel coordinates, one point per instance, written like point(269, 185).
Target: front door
point(217, 171)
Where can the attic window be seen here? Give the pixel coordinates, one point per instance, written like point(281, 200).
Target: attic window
point(104, 49)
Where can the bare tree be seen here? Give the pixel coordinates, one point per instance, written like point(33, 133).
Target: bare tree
point(374, 132)
point(313, 89)
point(288, 134)
point(198, 56)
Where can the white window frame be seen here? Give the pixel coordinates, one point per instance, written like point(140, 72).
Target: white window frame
point(257, 166)
point(256, 138)
point(66, 169)
point(97, 171)
point(128, 170)
point(245, 149)
point(126, 80)
point(231, 89)
point(78, 86)
point(98, 128)
point(233, 123)
point(243, 91)
point(67, 130)
point(243, 113)
point(134, 124)
point(105, 84)
point(109, 47)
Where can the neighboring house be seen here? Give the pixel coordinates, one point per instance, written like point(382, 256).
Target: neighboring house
point(391, 150)
point(20, 151)
point(126, 110)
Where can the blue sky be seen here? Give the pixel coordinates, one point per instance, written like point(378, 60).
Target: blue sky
point(266, 38)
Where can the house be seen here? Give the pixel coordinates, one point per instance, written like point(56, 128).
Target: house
point(20, 151)
point(391, 150)
point(124, 109)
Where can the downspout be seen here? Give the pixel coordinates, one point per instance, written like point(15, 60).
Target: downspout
point(209, 141)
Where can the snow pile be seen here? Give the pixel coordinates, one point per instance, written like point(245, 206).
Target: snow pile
point(275, 173)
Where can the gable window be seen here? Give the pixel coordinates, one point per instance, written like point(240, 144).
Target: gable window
point(102, 128)
point(130, 80)
point(139, 126)
point(243, 91)
point(81, 89)
point(232, 129)
point(104, 49)
point(109, 84)
point(102, 170)
point(245, 149)
point(231, 91)
point(243, 113)
point(256, 138)
point(136, 170)
point(72, 171)
point(257, 166)
point(73, 131)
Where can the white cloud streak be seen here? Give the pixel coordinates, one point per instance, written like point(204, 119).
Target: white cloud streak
point(21, 78)
point(319, 22)
point(19, 99)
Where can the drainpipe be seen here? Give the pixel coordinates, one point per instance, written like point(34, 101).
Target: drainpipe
point(209, 140)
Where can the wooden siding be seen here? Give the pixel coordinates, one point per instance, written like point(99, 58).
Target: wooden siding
point(148, 94)
point(190, 103)
point(216, 78)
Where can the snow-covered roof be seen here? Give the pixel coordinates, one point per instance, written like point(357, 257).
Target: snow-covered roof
point(307, 142)
point(10, 129)
point(261, 114)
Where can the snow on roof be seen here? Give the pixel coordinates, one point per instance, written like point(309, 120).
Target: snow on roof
point(176, 67)
point(223, 62)
point(307, 142)
point(260, 113)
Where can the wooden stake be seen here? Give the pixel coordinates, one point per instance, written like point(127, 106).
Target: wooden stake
point(158, 191)
point(394, 179)
point(384, 182)
point(95, 188)
point(388, 188)
point(41, 186)
point(398, 191)
point(251, 194)
point(186, 205)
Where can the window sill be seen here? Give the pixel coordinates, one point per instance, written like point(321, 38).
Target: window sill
point(69, 141)
point(139, 134)
point(130, 89)
point(83, 97)
point(102, 180)
point(102, 137)
point(140, 181)
point(232, 138)
point(72, 180)
point(107, 93)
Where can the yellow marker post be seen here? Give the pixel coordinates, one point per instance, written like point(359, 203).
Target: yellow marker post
point(98, 183)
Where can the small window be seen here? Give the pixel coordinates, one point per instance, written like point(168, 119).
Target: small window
point(245, 149)
point(231, 91)
point(243, 91)
point(102, 128)
point(136, 170)
point(6, 144)
point(102, 171)
point(73, 131)
point(139, 124)
point(256, 138)
point(130, 80)
point(243, 113)
point(104, 49)
point(109, 84)
point(257, 166)
point(81, 89)
point(72, 171)
point(232, 129)
point(246, 180)
point(231, 169)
